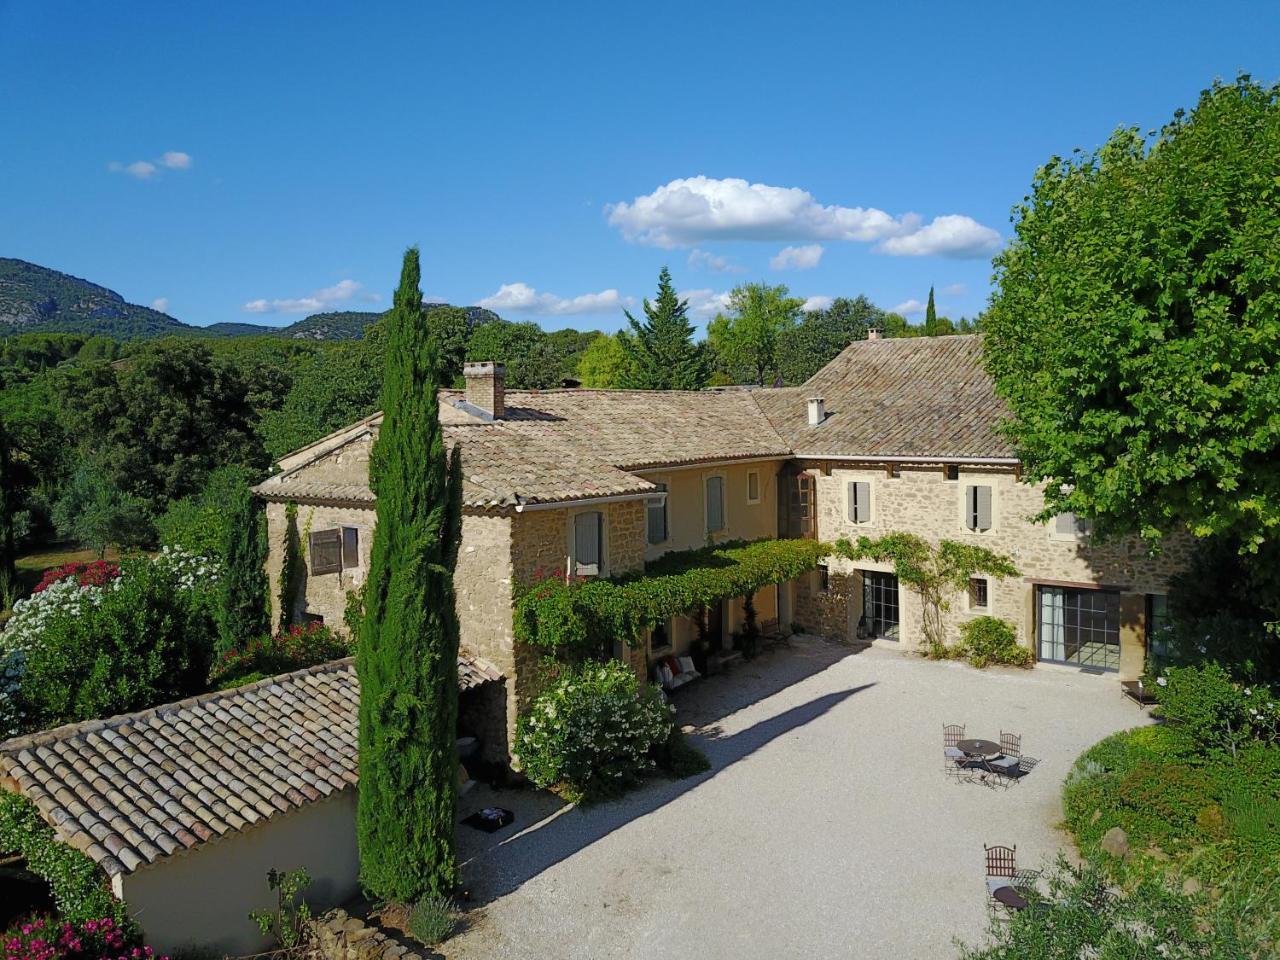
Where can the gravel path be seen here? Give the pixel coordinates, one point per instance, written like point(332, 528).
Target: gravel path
point(825, 829)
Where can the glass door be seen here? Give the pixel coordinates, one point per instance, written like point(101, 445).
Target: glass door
point(880, 604)
point(1079, 627)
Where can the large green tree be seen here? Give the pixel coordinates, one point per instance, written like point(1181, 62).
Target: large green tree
point(746, 339)
point(242, 587)
point(821, 334)
point(1136, 327)
point(604, 362)
point(407, 656)
point(660, 352)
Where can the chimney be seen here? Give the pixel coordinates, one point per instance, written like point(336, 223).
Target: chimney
point(817, 411)
point(874, 333)
point(486, 388)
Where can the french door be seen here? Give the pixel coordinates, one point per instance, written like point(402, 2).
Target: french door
point(880, 604)
point(1079, 627)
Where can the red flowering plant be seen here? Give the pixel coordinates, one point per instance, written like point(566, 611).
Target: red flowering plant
point(97, 573)
point(45, 938)
point(292, 649)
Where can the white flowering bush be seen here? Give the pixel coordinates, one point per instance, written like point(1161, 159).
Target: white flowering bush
point(594, 732)
point(78, 650)
point(1215, 710)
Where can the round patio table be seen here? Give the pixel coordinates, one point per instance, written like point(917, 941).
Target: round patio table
point(987, 749)
point(1011, 898)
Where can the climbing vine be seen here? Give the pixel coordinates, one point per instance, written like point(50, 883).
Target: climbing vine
point(934, 572)
point(580, 617)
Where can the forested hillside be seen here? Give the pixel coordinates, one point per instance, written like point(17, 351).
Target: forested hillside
point(35, 298)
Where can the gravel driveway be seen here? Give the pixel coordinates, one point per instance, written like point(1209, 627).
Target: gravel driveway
point(825, 828)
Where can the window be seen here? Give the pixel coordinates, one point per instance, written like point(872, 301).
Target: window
point(977, 508)
point(1068, 526)
point(658, 516)
point(800, 513)
point(1158, 624)
point(893, 471)
point(588, 544)
point(824, 578)
point(1079, 626)
point(951, 471)
point(753, 486)
point(326, 551)
point(350, 548)
point(859, 501)
point(715, 504)
point(879, 605)
point(977, 593)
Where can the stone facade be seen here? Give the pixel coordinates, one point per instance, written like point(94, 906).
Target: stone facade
point(322, 595)
point(922, 500)
point(337, 936)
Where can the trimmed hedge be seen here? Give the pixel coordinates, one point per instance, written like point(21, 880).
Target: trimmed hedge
point(580, 617)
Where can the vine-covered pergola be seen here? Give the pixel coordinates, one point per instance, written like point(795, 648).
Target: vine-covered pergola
point(578, 616)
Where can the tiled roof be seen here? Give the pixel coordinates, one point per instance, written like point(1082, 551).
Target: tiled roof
point(133, 789)
point(315, 491)
point(917, 397)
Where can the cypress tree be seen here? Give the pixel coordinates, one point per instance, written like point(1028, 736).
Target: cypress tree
point(930, 317)
point(407, 657)
point(8, 539)
point(661, 354)
point(293, 572)
point(242, 614)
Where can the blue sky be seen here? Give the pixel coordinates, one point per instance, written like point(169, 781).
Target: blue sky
point(258, 161)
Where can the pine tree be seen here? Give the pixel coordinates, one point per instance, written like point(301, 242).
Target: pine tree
point(407, 656)
point(930, 317)
point(242, 614)
point(660, 352)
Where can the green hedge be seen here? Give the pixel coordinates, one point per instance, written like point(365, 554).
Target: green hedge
point(80, 889)
point(583, 616)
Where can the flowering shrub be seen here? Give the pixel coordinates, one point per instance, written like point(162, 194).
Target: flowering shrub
point(1216, 711)
point(291, 649)
point(140, 638)
point(594, 731)
point(98, 573)
point(988, 640)
point(44, 938)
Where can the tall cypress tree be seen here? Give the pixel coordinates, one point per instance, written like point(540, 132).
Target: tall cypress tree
point(660, 352)
point(243, 587)
point(407, 658)
point(8, 506)
point(930, 317)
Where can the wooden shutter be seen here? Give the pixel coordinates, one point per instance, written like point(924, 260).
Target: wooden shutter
point(753, 485)
point(326, 551)
point(657, 517)
point(860, 501)
point(715, 504)
point(586, 544)
point(350, 548)
point(981, 508)
point(1065, 524)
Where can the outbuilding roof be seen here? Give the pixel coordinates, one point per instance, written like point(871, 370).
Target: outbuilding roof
point(133, 789)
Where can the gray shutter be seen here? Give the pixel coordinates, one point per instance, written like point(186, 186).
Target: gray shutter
point(863, 489)
point(1065, 524)
point(982, 508)
point(326, 551)
point(853, 501)
point(586, 544)
point(350, 548)
point(715, 504)
point(657, 517)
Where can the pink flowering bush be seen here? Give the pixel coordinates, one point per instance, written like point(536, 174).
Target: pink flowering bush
point(96, 574)
point(44, 938)
point(292, 649)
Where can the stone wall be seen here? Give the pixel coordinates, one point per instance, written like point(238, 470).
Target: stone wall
point(323, 595)
point(338, 936)
point(923, 501)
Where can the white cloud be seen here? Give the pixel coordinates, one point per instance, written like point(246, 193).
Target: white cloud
point(175, 160)
point(954, 290)
point(909, 307)
point(797, 258)
point(695, 209)
point(520, 297)
point(141, 169)
point(701, 259)
point(160, 303)
point(949, 236)
point(817, 303)
point(706, 302)
point(340, 292)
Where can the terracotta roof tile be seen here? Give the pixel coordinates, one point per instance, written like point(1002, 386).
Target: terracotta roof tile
point(133, 789)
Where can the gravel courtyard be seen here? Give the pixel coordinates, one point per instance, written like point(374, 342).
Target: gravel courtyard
point(825, 828)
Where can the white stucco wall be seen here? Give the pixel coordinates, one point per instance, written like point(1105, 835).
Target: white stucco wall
point(203, 897)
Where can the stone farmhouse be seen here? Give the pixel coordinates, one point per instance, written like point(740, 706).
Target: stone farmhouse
point(892, 435)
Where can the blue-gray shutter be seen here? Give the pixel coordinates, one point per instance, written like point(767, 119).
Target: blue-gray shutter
point(1065, 524)
point(586, 537)
point(980, 508)
point(657, 517)
point(862, 498)
point(715, 504)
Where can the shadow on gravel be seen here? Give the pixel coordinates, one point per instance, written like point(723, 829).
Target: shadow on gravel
point(548, 831)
